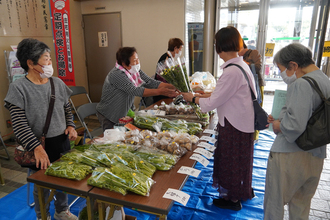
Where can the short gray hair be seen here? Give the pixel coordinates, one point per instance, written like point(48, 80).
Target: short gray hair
point(295, 52)
point(30, 49)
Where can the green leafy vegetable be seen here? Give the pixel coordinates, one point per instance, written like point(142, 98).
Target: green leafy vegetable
point(69, 170)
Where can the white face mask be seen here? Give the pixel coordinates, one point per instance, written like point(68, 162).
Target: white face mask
point(135, 68)
point(48, 71)
point(177, 55)
point(288, 80)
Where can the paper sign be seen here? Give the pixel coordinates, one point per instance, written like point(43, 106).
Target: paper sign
point(326, 49)
point(14, 47)
point(177, 196)
point(200, 159)
point(103, 39)
point(269, 50)
point(189, 171)
point(209, 131)
point(208, 138)
point(207, 146)
point(203, 152)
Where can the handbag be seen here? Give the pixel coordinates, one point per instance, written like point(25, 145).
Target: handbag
point(26, 158)
point(256, 80)
point(260, 115)
point(317, 132)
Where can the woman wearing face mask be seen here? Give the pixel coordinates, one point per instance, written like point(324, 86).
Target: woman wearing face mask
point(174, 51)
point(28, 102)
point(125, 81)
point(293, 174)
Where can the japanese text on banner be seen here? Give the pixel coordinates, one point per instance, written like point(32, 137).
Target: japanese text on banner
point(60, 12)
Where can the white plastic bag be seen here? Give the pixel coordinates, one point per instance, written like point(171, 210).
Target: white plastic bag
point(203, 81)
point(114, 135)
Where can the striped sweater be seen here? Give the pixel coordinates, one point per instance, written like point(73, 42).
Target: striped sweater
point(118, 94)
point(24, 132)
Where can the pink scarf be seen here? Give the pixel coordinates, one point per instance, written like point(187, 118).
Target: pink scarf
point(134, 78)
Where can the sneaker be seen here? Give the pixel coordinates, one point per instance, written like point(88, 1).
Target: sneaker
point(48, 218)
point(65, 215)
point(227, 204)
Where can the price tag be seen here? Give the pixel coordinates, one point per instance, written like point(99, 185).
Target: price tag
point(203, 152)
point(200, 159)
point(208, 146)
point(209, 131)
point(208, 138)
point(177, 196)
point(189, 171)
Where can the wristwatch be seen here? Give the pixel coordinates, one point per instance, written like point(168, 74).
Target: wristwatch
point(193, 99)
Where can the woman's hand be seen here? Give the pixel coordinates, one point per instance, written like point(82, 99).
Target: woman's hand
point(270, 119)
point(41, 157)
point(187, 96)
point(72, 133)
point(168, 85)
point(168, 92)
point(276, 124)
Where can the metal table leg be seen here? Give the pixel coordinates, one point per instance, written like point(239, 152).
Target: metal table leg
point(2, 180)
point(4, 146)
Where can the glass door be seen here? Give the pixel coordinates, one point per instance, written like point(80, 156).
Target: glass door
point(288, 22)
point(270, 23)
point(242, 14)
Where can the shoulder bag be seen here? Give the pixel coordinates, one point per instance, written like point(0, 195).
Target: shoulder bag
point(317, 131)
point(260, 115)
point(26, 158)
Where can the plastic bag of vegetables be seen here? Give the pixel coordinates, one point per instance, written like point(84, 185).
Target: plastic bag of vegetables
point(69, 170)
point(74, 155)
point(135, 162)
point(160, 159)
point(121, 178)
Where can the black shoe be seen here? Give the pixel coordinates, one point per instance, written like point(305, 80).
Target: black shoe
point(253, 195)
point(227, 204)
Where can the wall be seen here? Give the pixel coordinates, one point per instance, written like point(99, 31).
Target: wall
point(146, 24)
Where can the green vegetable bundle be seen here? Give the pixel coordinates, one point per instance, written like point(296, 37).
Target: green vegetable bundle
point(135, 162)
point(146, 122)
point(105, 147)
point(69, 170)
point(84, 147)
point(89, 157)
point(74, 155)
point(121, 178)
point(194, 127)
point(160, 159)
point(174, 126)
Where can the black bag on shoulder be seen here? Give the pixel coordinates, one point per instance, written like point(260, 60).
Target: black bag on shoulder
point(260, 115)
point(317, 131)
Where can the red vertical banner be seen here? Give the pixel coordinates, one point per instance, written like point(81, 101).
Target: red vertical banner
point(60, 15)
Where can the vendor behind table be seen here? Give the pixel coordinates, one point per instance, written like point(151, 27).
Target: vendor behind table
point(125, 81)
